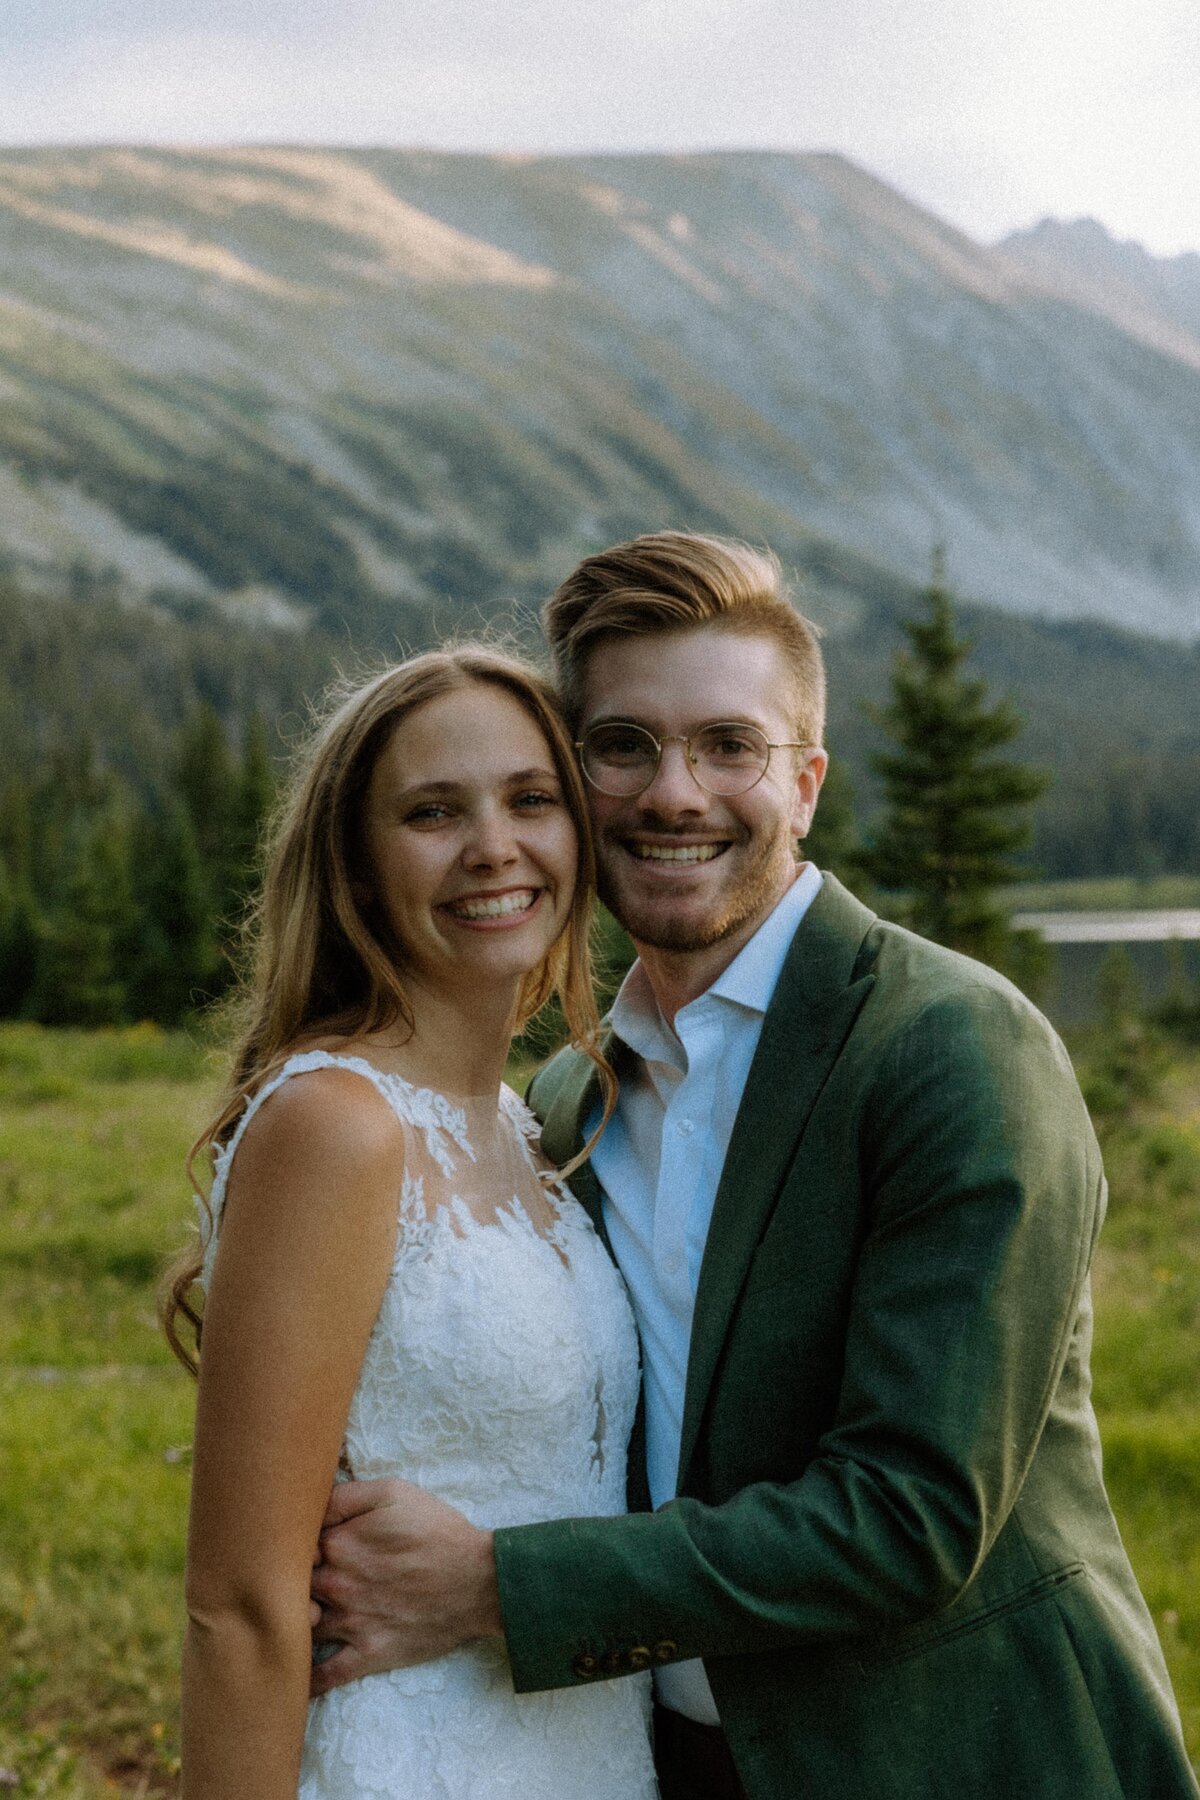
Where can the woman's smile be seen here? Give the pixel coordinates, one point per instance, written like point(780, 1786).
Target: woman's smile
point(505, 909)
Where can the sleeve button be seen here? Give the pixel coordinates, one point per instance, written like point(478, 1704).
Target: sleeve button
point(612, 1662)
point(639, 1657)
point(584, 1666)
point(665, 1651)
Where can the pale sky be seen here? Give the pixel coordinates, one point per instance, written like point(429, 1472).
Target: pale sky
point(993, 113)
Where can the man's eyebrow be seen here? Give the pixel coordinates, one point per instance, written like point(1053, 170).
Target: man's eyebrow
point(720, 718)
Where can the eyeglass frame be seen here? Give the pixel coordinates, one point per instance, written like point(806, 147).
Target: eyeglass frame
point(660, 745)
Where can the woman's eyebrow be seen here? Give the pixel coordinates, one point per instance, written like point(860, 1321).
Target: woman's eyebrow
point(429, 787)
point(532, 775)
point(457, 787)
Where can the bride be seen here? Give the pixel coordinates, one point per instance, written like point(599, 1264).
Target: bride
point(395, 1284)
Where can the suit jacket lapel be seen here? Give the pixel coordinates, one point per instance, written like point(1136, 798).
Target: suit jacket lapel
point(813, 1008)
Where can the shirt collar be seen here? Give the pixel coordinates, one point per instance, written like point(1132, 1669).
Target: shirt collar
point(753, 975)
point(749, 981)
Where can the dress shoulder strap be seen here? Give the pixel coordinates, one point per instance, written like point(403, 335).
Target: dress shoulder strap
point(412, 1107)
point(300, 1064)
point(440, 1123)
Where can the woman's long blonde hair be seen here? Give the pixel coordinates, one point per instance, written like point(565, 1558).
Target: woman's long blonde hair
point(319, 963)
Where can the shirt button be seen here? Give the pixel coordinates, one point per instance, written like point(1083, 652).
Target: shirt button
point(686, 1127)
point(673, 1263)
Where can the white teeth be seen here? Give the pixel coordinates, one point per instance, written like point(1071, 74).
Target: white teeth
point(520, 901)
point(684, 853)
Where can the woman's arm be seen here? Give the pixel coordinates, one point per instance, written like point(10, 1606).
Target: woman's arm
point(307, 1240)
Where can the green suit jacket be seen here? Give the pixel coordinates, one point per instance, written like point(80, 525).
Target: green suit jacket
point(892, 1545)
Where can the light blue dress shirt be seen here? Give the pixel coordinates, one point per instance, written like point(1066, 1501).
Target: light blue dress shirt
point(659, 1164)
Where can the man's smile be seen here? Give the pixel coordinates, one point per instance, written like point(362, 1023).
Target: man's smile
point(674, 853)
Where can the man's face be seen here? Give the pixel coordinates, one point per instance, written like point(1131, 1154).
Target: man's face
point(742, 845)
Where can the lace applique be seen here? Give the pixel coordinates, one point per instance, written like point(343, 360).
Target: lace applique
point(434, 1116)
point(525, 1120)
point(415, 1223)
point(555, 1231)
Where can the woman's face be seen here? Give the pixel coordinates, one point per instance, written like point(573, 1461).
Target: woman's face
point(472, 854)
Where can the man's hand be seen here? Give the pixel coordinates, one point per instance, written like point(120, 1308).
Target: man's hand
point(403, 1578)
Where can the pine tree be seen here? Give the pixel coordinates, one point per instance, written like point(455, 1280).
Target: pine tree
point(19, 919)
point(82, 964)
point(253, 800)
point(176, 964)
point(206, 780)
point(19, 935)
point(16, 831)
point(952, 806)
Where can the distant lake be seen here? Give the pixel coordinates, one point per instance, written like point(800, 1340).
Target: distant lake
point(1162, 944)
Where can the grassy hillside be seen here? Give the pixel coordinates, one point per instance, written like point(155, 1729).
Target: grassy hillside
point(94, 1420)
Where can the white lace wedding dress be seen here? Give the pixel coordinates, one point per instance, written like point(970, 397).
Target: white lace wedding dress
point(502, 1375)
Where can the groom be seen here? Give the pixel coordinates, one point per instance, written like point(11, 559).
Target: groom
point(854, 1192)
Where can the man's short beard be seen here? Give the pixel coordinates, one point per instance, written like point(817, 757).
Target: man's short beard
point(681, 936)
point(755, 897)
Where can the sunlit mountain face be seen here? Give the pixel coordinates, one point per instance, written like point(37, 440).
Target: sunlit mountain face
point(367, 390)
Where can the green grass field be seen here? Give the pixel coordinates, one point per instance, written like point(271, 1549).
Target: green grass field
point(95, 1419)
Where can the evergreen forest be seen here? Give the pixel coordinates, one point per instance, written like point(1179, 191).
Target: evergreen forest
point(142, 746)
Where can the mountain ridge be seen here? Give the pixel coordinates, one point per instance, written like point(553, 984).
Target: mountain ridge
point(1156, 298)
point(345, 387)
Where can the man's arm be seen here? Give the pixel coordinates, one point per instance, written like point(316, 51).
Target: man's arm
point(985, 1194)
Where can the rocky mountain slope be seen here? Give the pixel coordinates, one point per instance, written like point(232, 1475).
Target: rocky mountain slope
point(1156, 298)
point(374, 388)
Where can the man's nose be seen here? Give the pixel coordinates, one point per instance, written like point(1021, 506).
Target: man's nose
point(674, 788)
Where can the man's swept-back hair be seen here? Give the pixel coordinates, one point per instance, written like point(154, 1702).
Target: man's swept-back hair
point(682, 581)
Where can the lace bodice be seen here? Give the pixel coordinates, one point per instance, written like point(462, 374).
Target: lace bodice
point(502, 1375)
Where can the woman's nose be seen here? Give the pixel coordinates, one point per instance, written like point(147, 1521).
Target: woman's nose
point(492, 842)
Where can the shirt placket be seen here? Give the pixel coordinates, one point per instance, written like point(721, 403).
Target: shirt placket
point(681, 1163)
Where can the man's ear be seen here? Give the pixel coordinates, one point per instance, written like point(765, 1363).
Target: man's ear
point(809, 776)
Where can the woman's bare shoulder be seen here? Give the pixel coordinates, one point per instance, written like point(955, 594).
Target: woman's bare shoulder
point(331, 1111)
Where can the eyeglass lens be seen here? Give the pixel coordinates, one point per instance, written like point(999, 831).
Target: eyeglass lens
point(725, 759)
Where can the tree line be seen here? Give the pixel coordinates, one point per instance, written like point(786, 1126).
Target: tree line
point(119, 901)
point(125, 865)
point(120, 897)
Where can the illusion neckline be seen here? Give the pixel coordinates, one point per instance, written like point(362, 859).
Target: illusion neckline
point(491, 1098)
